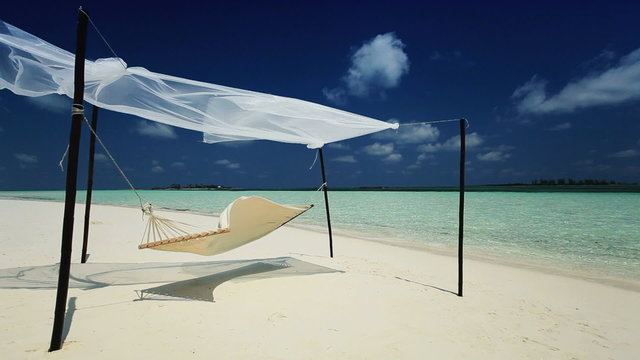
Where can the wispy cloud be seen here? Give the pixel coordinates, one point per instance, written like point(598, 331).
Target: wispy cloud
point(495, 153)
point(346, 159)
point(613, 85)
point(100, 157)
point(452, 144)
point(493, 156)
point(451, 57)
point(376, 66)
point(391, 158)
point(336, 95)
point(338, 146)
point(26, 158)
point(626, 153)
point(414, 134)
point(177, 164)
point(419, 160)
point(54, 103)
point(378, 149)
point(591, 166)
point(155, 129)
point(228, 164)
point(560, 127)
point(156, 167)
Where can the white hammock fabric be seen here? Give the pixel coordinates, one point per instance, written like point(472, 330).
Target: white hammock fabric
point(243, 221)
point(30, 66)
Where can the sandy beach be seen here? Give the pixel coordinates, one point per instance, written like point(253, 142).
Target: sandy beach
point(372, 301)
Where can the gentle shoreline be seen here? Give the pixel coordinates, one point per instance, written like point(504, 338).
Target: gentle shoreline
point(594, 275)
point(380, 301)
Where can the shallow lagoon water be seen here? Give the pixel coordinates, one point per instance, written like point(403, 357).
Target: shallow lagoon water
point(593, 233)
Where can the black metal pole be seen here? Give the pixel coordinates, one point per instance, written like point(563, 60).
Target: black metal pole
point(87, 206)
point(326, 201)
point(70, 194)
point(463, 124)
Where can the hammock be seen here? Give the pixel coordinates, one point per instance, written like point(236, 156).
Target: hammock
point(246, 219)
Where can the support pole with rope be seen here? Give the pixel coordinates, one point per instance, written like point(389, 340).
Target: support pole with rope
point(87, 207)
point(326, 201)
point(71, 183)
point(463, 123)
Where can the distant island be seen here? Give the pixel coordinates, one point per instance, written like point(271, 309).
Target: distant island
point(194, 187)
point(538, 185)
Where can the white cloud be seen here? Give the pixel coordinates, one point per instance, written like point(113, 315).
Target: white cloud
point(346, 158)
point(395, 157)
point(494, 156)
point(155, 129)
point(100, 157)
point(423, 157)
point(26, 158)
point(177, 164)
point(626, 153)
point(419, 160)
point(378, 149)
point(614, 85)
point(54, 103)
point(228, 164)
point(560, 127)
point(413, 134)
point(377, 65)
point(452, 144)
point(335, 95)
point(338, 146)
point(156, 168)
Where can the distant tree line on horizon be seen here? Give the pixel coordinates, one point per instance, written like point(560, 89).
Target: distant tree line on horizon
point(193, 186)
point(562, 181)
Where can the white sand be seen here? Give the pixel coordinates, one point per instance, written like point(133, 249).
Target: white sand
point(388, 303)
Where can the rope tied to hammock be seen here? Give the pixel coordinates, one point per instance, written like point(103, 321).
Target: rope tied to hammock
point(115, 163)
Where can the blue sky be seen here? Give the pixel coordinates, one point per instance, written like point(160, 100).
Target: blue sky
point(551, 89)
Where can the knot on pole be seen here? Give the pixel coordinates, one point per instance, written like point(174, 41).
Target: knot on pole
point(77, 109)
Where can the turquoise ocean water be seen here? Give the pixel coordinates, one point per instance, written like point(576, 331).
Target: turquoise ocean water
point(594, 234)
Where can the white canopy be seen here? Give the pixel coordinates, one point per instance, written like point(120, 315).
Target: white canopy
point(30, 66)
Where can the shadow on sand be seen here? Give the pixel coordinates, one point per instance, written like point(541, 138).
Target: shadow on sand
point(426, 285)
point(194, 280)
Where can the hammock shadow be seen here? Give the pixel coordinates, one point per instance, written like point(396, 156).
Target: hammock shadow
point(90, 276)
point(202, 288)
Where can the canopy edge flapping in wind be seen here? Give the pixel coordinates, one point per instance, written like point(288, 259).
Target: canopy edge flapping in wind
point(30, 66)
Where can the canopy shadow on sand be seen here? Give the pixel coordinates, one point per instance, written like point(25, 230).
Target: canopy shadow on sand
point(193, 280)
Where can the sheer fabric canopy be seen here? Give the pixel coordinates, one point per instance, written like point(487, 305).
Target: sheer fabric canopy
point(30, 66)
